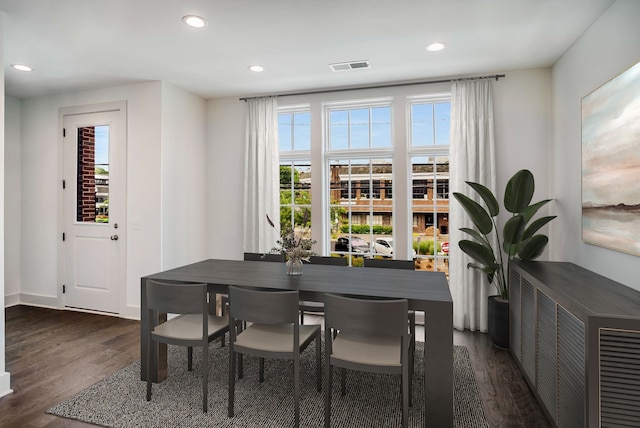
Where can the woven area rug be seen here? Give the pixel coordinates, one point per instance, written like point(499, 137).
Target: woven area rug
point(371, 401)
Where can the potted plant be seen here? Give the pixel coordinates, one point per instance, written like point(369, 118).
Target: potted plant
point(519, 239)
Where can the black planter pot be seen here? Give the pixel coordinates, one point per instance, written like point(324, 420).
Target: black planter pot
point(499, 322)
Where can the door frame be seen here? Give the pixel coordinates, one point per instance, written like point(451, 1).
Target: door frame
point(111, 107)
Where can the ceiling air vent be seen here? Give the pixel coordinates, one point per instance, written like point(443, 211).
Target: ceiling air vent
point(353, 65)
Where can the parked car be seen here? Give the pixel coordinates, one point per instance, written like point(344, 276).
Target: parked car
point(357, 245)
point(384, 247)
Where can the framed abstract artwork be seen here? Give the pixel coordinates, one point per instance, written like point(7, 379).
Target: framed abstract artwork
point(611, 164)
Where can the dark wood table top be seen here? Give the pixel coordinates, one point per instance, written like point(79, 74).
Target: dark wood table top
point(419, 287)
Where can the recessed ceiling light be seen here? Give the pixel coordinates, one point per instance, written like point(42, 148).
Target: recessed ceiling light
point(434, 47)
point(194, 21)
point(21, 67)
point(256, 68)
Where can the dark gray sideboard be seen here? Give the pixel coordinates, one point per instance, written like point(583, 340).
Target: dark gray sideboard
point(576, 338)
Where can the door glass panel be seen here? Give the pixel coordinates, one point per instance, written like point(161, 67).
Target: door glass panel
point(93, 175)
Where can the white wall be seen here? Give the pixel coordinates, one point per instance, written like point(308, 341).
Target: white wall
point(12, 198)
point(4, 376)
point(40, 180)
point(225, 177)
point(522, 120)
point(184, 171)
point(607, 48)
point(522, 103)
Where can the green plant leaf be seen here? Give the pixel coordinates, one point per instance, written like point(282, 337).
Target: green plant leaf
point(476, 212)
point(519, 191)
point(532, 248)
point(536, 225)
point(531, 210)
point(513, 228)
point(487, 197)
point(479, 237)
point(480, 253)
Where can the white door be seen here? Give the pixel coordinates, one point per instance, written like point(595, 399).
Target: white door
point(94, 210)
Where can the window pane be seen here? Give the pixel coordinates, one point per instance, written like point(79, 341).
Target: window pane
point(285, 138)
point(443, 122)
point(359, 129)
point(422, 124)
point(362, 213)
point(339, 129)
point(295, 196)
point(381, 127)
point(302, 131)
point(430, 211)
point(92, 203)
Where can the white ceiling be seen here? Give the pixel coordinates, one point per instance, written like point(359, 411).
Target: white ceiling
point(81, 44)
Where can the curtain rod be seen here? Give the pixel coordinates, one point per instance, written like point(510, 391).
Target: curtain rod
point(388, 85)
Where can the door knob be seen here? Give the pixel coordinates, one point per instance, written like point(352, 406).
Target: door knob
point(114, 238)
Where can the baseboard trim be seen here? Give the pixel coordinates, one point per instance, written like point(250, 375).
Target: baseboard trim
point(5, 384)
point(11, 300)
point(50, 302)
point(129, 312)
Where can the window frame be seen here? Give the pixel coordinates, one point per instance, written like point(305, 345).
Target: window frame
point(430, 151)
point(293, 157)
point(358, 154)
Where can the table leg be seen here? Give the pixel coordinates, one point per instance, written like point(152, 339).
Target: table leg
point(438, 365)
point(160, 372)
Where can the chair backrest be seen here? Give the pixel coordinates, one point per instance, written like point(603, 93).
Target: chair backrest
point(177, 298)
point(366, 317)
point(390, 264)
point(259, 257)
point(333, 261)
point(263, 307)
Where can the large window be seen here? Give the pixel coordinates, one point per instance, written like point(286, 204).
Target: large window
point(429, 148)
point(380, 188)
point(359, 149)
point(294, 135)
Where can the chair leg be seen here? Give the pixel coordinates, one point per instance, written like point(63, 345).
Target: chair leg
point(296, 390)
point(261, 375)
point(205, 376)
point(150, 359)
point(240, 367)
point(405, 395)
point(318, 365)
point(301, 317)
point(232, 379)
point(189, 358)
point(327, 393)
point(343, 381)
point(411, 370)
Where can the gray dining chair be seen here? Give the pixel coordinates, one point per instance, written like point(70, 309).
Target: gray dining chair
point(255, 257)
point(193, 326)
point(273, 331)
point(318, 307)
point(398, 264)
point(260, 257)
point(369, 336)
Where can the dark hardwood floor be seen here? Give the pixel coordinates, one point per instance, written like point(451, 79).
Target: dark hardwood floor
point(53, 354)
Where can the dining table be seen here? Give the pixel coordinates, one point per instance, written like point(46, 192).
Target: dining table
point(424, 290)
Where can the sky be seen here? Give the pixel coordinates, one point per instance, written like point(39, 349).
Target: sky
point(102, 146)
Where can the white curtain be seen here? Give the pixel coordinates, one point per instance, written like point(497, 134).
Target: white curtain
point(262, 177)
point(472, 151)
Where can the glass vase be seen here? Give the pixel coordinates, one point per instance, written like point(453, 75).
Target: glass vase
point(294, 266)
